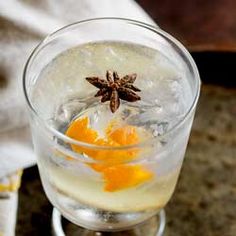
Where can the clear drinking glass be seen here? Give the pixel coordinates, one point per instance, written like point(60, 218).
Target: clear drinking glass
point(57, 94)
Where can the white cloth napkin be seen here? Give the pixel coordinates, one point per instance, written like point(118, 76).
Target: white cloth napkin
point(8, 203)
point(23, 23)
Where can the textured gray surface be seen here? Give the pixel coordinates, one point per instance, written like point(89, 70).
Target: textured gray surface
point(205, 199)
point(204, 202)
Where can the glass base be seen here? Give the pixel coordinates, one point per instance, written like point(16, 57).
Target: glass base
point(154, 226)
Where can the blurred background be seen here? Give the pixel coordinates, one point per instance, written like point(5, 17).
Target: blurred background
point(207, 28)
point(204, 202)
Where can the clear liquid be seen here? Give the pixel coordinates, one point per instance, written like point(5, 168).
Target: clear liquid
point(62, 94)
point(166, 94)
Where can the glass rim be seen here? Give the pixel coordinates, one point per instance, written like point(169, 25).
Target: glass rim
point(148, 141)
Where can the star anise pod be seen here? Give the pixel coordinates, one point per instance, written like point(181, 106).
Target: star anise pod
point(115, 88)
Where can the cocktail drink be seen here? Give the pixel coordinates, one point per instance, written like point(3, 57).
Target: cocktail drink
point(112, 103)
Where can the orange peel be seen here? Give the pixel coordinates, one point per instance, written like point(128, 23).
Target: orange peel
point(113, 166)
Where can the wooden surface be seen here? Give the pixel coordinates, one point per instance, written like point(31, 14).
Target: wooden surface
point(202, 25)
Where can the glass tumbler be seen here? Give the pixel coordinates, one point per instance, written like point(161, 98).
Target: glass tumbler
point(72, 186)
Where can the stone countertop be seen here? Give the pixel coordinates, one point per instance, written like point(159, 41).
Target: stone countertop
point(204, 202)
